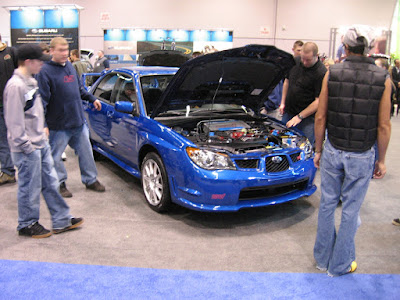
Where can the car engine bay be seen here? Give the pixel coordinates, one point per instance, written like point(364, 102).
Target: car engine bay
point(239, 136)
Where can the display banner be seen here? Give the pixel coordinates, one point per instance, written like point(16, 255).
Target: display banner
point(32, 25)
point(122, 46)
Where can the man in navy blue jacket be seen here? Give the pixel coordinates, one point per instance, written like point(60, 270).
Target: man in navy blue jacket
point(62, 94)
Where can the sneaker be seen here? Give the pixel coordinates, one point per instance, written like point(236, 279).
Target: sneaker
point(5, 178)
point(35, 230)
point(75, 222)
point(353, 267)
point(96, 186)
point(64, 156)
point(64, 191)
point(396, 222)
point(321, 268)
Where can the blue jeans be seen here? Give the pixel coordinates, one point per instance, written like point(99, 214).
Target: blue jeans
point(77, 139)
point(6, 163)
point(36, 175)
point(346, 176)
point(306, 125)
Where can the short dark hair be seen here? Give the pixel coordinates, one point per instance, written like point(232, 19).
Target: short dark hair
point(357, 49)
point(44, 47)
point(75, 52)
point(298, 43)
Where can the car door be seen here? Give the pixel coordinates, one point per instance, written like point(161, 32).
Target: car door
point(115, 131)
point(125, 125)
point(100, 123)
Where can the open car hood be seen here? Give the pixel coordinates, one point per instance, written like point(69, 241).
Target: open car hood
point(240, 76)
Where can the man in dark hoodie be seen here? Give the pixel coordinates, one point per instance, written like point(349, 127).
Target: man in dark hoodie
point(8, 62)
point(62, 94)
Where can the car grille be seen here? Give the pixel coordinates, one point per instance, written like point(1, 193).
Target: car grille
point(272, 165)
point(276, 163)
point(295, 157)
point(247, 163)
point(273, 190)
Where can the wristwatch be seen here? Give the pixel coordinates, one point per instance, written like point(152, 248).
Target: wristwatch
point(300, 116)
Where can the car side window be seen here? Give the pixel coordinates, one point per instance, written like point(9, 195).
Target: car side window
point(126, 89)
point(105, 88)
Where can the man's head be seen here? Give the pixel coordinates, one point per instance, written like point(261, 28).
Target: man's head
point(309, 54)
point(45, 48)
point(31, 57)
point(74, 55)
point(59, 50)
point(397, 63)
point(355, 42)
point(100, 53)
point(196, 54)
point(129, 90)
point(297, 46)
point(328, 62)
point(382, 63)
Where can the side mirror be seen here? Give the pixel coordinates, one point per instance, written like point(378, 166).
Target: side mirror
point(125, 107)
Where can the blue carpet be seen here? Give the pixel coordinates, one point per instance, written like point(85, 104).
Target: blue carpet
point(38, 280)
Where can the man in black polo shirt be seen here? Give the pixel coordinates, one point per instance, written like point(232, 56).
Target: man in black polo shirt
point(301, 91)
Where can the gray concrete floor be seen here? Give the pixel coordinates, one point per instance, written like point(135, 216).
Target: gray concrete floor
point(121, 230)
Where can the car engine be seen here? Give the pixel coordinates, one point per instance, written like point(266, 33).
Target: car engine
point(241, 136)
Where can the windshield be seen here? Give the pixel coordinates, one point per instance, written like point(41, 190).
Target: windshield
point(152, 87)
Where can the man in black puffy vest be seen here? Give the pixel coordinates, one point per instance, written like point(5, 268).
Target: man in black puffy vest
point(354, 108)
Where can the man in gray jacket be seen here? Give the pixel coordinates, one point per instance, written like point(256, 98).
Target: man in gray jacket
point(30, 150)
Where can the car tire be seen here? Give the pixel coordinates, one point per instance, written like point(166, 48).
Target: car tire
point(155, 183)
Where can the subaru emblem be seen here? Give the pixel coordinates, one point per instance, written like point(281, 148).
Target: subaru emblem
point(276, 159)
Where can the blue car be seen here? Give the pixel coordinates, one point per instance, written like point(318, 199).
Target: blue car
point(194, 135)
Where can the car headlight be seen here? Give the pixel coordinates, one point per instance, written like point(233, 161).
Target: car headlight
point(305, 145)
point(210, 160)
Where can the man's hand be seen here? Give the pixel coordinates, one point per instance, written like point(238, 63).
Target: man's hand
point(380, 170)
point(281, 109)
point(97, 104)
point(317, 159)
point(46, 131)
point(293, 121)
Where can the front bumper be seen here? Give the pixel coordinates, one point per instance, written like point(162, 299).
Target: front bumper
point(227, 190)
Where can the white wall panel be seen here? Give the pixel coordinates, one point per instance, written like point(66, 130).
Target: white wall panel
point(309, 20)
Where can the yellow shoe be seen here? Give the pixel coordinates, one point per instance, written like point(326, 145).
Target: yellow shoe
point(353, 267)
